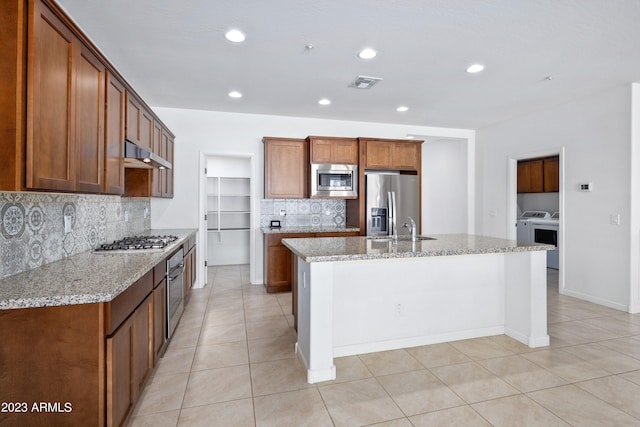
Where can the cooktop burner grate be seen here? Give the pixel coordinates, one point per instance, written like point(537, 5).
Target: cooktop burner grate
point(137, 243)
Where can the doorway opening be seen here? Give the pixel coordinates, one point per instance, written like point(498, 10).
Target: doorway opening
point(227, 208)
point(536, 204)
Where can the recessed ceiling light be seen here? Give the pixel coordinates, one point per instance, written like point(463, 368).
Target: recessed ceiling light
point(367, 53)
point(402, 109)
point(235, 94)
point(234, 36)
point(410, 136)
point(324, 101)
point(475, 68)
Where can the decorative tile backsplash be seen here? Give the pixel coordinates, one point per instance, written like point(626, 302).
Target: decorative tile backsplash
point(32, 226)
point(304, 212)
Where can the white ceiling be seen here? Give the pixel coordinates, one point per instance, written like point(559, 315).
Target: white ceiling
point(174, 53)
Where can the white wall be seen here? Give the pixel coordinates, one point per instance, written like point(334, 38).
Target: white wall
point(596, 135)
point(445, 186)
point(219, 133)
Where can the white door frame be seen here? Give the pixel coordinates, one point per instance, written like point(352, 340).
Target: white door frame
point(512, 201)
point(202, 209)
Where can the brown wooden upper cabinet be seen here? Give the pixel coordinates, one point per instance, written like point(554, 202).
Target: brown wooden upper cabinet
point(64, 109)
point(286, 163)
point(139, 123)
point(65, 118)
point(115, 100)
point(167, 174)
point(391, 154)
point(539, 175)
point(341, 151)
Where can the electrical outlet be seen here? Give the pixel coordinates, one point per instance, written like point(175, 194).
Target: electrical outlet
point(68, 223)
point(146, 212)
point(126, 216)
point(283, 212)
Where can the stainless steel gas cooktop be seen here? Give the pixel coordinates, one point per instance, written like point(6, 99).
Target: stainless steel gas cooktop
point(137, 244)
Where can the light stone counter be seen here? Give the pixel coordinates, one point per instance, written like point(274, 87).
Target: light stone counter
point(329, 249)
point(84, 278)
point(303, 229)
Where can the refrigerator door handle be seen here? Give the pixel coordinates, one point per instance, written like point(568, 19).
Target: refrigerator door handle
point(390, 214)
point(395, 223)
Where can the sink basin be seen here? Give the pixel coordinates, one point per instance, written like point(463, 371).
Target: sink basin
point(402, 238)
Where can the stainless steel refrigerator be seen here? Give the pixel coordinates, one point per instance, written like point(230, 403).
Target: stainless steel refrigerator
point(390, 200)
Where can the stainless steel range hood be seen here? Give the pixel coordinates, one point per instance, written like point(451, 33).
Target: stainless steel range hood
point(138, 157)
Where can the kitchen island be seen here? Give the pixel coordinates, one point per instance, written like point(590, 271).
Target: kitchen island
point(358, 295)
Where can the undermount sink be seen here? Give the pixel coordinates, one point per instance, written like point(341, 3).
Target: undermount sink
point(403, 238)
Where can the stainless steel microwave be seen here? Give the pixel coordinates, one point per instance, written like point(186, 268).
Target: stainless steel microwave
point(329, 180)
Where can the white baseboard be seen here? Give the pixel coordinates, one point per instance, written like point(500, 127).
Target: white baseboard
point(596, 300)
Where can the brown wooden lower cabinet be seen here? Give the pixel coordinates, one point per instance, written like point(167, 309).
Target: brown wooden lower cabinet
point(277, 258)
point(89, 362)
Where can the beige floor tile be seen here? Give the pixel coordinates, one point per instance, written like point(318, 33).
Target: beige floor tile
point(225, 303)
point(632, 376)
point(628, 346)
point(431, 356)
point(517, 411)
point(565, 365)
point(359, 402)
point(278, 376)
point(223, 317)
point(237, 413)
point(616, 391)
point(562, 337)
point(298, 408)
point(261, 314)
point(521, 373)
point(163, 393)
point(276, 327)
point(184, 337)
point(217, 385)
point(285, 300)
point(274, 348)
point(620, 325)
point(220, 355)
point(460, 416)
point(481, 348)
point(418, 392)
point(349, 368)
point(222, 333)
point(587, 331)
point(511, 344)
point(605, 358)
point(260, 301)
point(162, 419)
point(575, 311)
point(401, 422)
point(579, 408)
point(176, 360)
point(472, 382)
point(192, 320)
point(390, 362)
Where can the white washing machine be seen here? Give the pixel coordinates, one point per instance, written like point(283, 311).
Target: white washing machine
point(541, 227)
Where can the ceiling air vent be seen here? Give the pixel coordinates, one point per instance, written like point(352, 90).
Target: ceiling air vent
point(364, 82)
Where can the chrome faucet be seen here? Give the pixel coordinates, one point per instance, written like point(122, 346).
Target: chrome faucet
point(413, 229)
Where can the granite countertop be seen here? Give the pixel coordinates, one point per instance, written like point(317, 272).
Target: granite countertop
point(84, 278)
point(309, 229)
point(329, 249)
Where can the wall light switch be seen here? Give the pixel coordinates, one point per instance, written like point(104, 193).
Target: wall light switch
point(615, 219)
point(146, 212)
point(126, 216)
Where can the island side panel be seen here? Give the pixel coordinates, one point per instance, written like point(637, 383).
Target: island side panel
point(526, 298)
point(404, 302)
point(315, 320)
